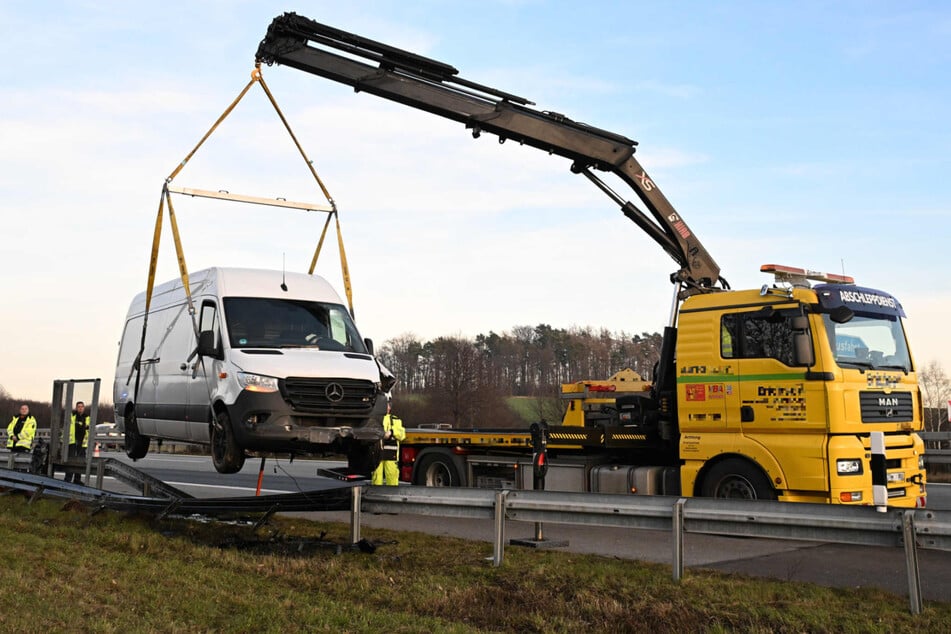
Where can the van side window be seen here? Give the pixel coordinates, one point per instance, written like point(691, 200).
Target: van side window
point(209, 321)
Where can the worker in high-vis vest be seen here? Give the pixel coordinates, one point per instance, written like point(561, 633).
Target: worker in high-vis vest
point(21, 430)
point(389, 472)
point(78, 438)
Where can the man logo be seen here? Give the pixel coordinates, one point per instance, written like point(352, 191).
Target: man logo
point(334, 392)
point(887, 402)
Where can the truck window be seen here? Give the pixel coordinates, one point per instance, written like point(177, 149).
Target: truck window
point(755, 335)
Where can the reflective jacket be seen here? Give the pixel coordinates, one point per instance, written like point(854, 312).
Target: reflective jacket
point(24, 439)
point(84, 424)
point(394, 423)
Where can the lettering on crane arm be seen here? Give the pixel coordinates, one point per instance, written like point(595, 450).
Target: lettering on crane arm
point(646, 182)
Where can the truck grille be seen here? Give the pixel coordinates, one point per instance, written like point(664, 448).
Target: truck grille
point(330, 397)
point(879, 407)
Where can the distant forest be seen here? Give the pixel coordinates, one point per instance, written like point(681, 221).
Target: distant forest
point(468, 382)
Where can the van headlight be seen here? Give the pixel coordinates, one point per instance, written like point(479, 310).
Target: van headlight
point(850, 466)
point(257, 383)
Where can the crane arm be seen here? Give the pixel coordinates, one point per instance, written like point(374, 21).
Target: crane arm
point(435, 87)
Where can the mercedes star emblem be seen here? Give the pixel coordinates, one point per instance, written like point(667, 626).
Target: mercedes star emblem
point(334, 392)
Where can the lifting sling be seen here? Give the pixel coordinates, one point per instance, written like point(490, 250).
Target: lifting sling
point(166, 199)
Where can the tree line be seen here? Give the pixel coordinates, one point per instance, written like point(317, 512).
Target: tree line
point(466, 381)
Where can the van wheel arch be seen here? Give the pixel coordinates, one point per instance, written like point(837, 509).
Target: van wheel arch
point(136, 445)
point(226, 454)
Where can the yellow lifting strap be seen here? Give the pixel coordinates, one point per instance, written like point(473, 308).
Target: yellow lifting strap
point(166, 199)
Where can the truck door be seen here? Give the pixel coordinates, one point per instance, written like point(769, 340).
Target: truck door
point(778, 409)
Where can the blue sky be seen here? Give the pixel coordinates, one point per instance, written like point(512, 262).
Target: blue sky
point(808, 133)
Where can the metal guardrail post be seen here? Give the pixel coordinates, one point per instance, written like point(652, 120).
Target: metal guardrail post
point(356, 494)
point(678, 538)
point(911, 561)
point(499, 546)
point(91, 432)
point(55, 415)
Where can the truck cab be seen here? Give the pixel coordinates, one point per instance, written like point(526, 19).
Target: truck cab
point(782, 392)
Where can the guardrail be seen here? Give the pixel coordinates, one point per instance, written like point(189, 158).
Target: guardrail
point(935, 453)
point(910, 529)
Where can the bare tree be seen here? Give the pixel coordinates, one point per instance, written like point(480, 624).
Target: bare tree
point(935, 391)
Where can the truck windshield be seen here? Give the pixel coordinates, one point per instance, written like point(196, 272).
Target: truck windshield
point(869, 341)
point(258, 322)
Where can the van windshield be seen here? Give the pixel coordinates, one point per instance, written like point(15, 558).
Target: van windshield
point(259, 322)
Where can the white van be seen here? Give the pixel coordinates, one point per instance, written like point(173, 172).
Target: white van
point(277, 366)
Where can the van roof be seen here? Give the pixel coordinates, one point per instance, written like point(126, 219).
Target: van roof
point(240, 282)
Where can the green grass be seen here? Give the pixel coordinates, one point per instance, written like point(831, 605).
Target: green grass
point(526, 407)
point(69, 570)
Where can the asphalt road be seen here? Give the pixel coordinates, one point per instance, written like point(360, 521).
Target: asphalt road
point(833, 565)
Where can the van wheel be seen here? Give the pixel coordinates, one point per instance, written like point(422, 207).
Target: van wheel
point(136, 445)
point(225, 452)
point(739, 480)
point(363, 458)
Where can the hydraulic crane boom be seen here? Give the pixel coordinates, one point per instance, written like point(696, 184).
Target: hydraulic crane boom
point(435, 87)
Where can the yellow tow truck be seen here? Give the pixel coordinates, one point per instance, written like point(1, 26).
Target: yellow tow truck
point(795, 391)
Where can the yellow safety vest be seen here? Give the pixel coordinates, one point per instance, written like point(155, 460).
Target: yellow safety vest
point(25, 438)
point(83, 422)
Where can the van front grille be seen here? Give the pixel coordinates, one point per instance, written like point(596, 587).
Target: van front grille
point(330, 397)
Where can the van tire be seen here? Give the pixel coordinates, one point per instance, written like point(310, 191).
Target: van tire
point(136, 445)
point(363, 458)
point(225, 452)
point(737, 479)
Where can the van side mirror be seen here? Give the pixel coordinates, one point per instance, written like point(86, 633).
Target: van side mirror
point(206, 345)
point(369, 344)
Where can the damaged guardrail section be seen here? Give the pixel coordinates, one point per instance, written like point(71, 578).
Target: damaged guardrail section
point(910, 529)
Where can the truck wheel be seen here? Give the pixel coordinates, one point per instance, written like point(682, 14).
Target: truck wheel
point(737, 479)
point(439, 469)
point(136, 445)
point(225, 452)
point(364, 458)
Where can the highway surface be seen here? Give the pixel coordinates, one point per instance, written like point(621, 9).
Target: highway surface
point(826, 564)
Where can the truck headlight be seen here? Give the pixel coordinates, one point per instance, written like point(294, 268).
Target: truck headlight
point(257, 383)
point(850, 466)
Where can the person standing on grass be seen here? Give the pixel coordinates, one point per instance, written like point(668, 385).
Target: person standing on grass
point(388, 471)
point(21, 430)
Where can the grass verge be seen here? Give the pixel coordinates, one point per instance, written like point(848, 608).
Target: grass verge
point(68, 570)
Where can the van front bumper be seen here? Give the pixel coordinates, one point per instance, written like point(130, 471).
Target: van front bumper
point(264, 421)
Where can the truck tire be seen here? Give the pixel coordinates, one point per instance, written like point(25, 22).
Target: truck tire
point(136, 445)
point(440, 469)
point(363, 458)
point(227, 456)
point(737, 479)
